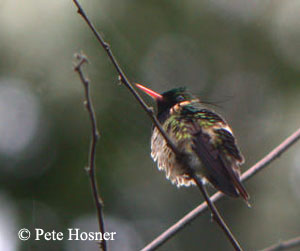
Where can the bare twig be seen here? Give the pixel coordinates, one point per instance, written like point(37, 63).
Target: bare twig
point(171, 231)
point(149, 111)
point(284, 245)
point(217, 217)
point(92, 154)
point(124, 79)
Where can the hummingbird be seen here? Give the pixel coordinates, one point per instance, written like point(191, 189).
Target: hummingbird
point(201, 134)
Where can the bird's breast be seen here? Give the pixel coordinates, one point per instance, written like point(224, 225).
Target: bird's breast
point(166, 159)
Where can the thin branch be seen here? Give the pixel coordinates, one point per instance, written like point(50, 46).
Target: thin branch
point(284, 245)
point(149, 110)
point(216, 215)
point(124, 79)
point(92, 154)
point(274, 154)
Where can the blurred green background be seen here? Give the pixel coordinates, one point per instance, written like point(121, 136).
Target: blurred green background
point(242, 55)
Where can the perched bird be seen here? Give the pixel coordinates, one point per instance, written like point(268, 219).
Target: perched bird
point(202, 135)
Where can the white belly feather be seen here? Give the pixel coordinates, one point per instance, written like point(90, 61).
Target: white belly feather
point(166, 161)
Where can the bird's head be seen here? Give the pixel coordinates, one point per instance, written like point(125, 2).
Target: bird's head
point(166, 100)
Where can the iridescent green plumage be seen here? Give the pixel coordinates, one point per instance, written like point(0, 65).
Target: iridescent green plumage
point(204, 136)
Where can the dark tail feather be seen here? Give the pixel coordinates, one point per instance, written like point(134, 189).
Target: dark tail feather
point(241, 190)
point(238, 185)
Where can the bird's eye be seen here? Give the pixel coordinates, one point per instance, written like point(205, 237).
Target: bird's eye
point(180, 98)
